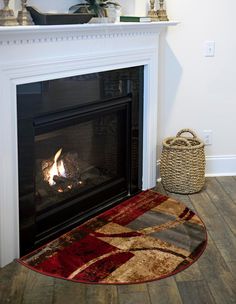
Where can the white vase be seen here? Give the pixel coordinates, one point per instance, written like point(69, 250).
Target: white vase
point(113, 13)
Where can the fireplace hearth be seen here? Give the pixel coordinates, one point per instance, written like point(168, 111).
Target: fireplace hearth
point(79, 149)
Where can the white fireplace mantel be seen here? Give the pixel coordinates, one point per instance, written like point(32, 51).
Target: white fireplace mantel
point(37, 53)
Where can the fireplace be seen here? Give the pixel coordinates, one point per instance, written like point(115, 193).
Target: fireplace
point(79, 149)
point(35, 54)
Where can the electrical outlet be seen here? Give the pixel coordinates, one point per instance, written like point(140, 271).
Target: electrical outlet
point(207, 137)
point(209, 48)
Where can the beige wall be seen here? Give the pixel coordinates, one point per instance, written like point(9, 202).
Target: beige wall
point(195, 91)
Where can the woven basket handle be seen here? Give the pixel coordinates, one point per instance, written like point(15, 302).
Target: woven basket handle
point(180, 139)
point(186, 131)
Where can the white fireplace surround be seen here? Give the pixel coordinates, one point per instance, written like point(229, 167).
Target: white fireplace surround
point(37, 53)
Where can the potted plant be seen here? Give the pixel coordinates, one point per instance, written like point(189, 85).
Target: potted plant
point(97, 7)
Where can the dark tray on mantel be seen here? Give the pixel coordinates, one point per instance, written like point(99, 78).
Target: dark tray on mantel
point(55, 19)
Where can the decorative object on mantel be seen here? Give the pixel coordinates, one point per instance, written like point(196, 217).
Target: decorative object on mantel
point(135, 19)
point(147, 237)
point(40, 18)
point(113, 12)
point(182, 165)
point(7, 17)
point(24, 17)
point(104, 11)
point(98, 7)
point(152, 13)
point(161, 13)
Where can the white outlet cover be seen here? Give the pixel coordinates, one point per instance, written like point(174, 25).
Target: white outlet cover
point(209, 48)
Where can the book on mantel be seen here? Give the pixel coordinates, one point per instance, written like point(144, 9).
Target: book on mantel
point(135, 19)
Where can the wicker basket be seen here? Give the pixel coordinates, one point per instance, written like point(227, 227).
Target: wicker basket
point(182, 165)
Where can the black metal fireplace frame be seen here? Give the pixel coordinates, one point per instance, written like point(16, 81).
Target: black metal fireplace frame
point(31, 234)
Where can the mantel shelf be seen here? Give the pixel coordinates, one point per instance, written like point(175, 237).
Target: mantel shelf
point(86, 27)
point(15, 35)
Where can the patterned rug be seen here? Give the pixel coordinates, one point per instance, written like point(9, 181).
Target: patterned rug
point(147, 237)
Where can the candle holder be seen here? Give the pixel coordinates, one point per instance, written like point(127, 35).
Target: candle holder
point(161, 13)
point(152, 13)
point(7, 17)
point(24, 17)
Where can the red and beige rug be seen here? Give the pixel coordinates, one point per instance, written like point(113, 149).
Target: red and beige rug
point(147, 237)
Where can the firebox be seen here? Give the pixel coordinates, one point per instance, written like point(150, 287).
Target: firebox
point(79, 149)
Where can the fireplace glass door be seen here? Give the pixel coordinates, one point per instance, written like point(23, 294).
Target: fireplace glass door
point(77, 157)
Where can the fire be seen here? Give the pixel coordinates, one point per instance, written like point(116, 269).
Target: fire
point(61, 171)
point(57, 169)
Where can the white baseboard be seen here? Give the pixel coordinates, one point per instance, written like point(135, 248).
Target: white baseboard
point(221, 165)
point(218, 165)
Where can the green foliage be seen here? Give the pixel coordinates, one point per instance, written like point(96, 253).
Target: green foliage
point(98, 7)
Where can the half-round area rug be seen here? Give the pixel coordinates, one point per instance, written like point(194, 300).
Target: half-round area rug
point(145, 238)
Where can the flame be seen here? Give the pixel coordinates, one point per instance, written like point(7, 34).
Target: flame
point(61, 169)
point(57, 168)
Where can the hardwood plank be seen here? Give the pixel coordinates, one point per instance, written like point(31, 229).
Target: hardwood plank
point(192, 273)
point(217, 274)
point(228, 184)
point(135, 293)
point(131, 298)
point(203, 205)
point(6, 275)
point(212, 263)
point(12, 283)
point(195, 292)
point(216, 225)
point(164, 292)
point(223, 288)
point(216, 277)
point(69, 292)
point(223, 202)
point(101, 294)
point(132, 288)
point(39, 289)
point(232, 268)
point(227, 248)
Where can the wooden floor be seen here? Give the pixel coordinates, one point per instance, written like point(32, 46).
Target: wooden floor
point(212, 279)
